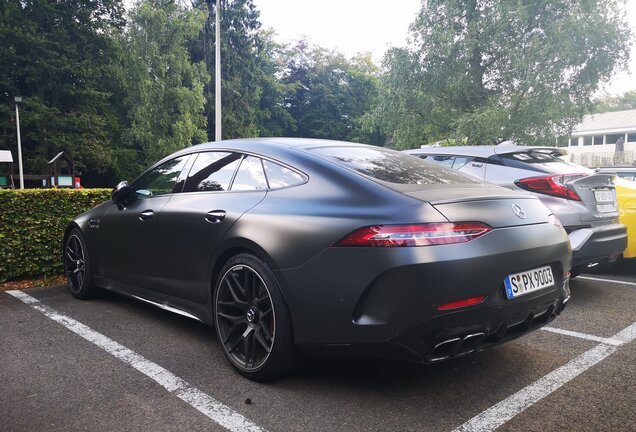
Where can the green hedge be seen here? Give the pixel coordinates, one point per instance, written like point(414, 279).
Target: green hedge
point(32, 223)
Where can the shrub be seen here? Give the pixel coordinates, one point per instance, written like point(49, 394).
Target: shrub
point(32, 223)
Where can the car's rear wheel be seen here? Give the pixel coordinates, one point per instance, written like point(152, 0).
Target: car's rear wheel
point(252, 320)
point(77, 266)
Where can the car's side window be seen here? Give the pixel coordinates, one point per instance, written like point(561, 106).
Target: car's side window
point(460, 161)
point(161, 180)
point(250, 175)
point(212, 171)
point(278, 176)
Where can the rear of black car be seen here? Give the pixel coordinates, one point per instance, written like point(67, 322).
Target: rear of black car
point(452, 267)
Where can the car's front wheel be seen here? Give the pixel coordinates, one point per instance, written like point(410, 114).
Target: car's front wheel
point(77, 266)
point(252, 320)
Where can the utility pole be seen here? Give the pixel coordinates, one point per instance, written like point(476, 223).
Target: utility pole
point(217, 75)
point(18, 99)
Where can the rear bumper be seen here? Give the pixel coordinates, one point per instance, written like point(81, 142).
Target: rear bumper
point(599, 243)
point(387, 298)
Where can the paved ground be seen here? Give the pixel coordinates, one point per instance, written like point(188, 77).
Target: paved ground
point(54, 379)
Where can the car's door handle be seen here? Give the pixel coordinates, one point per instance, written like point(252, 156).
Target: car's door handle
point(215, 216)
point(145, 215)
point(477, 164)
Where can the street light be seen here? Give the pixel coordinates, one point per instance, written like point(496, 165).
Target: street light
point(18, 99)
point(217, 74)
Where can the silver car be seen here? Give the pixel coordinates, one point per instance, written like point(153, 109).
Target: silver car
point(583, 200)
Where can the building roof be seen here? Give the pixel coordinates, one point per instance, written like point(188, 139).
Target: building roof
point(617, 121)
point(5, 156)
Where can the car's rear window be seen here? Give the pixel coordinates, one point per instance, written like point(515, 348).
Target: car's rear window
point(392, 166)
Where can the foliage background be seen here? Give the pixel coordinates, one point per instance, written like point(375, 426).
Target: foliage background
point(118, 88)
point(32, 223)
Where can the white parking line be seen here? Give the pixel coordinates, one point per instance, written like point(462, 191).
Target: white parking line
point(508, 408)
point(606, 341)
point(606, 280)
point(215, 410)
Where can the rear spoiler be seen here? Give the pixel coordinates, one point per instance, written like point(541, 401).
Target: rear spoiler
point(553, 151)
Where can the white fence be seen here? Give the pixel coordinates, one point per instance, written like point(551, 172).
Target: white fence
point(604, 159)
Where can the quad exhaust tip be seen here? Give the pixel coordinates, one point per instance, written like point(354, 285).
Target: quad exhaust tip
point(455, 347)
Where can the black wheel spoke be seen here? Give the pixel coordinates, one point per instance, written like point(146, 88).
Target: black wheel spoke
point(259, 337)
point(80, 278)
point(266, 313)
point(249, 345)
point(230, 318)
point(262, 299)
point(233, 289)
point(234, 345)
point(70, 253)
point(264, 328)
point(232, 304)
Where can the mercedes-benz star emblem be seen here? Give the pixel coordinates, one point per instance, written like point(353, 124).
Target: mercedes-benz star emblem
point(518, 211)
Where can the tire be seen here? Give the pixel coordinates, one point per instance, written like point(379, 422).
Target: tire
point(77, 267)
point(252, 320)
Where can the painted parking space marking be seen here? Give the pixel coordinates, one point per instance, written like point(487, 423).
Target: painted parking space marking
point(207, 405)
point(622, 282)
point(606, 341)
point(508, 408)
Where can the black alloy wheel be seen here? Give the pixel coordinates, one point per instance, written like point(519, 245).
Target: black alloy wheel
point(252, 321)
point(76, 266)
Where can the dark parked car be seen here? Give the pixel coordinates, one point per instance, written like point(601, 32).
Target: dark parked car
point(584, 201)
point(291, 245)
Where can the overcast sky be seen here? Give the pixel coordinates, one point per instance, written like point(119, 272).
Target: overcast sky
point(354, 26)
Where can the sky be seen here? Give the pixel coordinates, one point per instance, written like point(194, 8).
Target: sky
point(354, 26)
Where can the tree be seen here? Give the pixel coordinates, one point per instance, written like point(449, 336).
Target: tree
point(328, 94)
point(162, 88)
point(272, 116)
point(480, 72)
point(627, 101)
point(241, 72)
point(59, 56)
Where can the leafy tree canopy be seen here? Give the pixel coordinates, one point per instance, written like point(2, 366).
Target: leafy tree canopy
point(483, 71)
point(58, 57)
point(627, 101)
point(327, 94)
point(162, 89)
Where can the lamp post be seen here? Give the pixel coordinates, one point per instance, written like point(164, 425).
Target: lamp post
point(217, 74)
point(18, 99)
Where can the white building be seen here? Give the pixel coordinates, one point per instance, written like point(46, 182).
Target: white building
point(593, 141)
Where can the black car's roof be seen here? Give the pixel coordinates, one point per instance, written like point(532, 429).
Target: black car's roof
point(257, 144)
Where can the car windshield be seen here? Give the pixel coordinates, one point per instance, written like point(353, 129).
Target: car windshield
point(392, 166)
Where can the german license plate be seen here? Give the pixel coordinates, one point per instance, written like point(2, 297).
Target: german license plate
point(523, 283)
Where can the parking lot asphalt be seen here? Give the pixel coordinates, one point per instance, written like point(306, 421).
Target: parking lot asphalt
point(112, 364)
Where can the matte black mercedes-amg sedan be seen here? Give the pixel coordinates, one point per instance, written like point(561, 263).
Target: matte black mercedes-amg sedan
point(292, 245)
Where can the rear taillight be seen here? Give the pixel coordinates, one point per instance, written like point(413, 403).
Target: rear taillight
point(415, 235)
point(554, 185)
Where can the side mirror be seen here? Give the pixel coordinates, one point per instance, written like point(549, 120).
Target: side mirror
point(121, 192)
